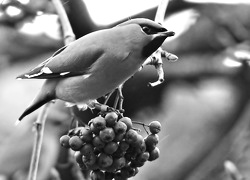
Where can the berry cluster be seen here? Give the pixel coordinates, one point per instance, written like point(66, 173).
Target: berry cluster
point(111, 147)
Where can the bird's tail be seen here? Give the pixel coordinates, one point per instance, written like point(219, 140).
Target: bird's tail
point(44, 96)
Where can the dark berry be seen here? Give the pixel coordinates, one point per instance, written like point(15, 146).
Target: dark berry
point(75, 143)
point(89, 160)
point(110, 147)
point(104, 160)
point(107, 134)
point(99, 123)
point(155, 127)
point(127, 121)
point(154, 154)
point(97, 142)
point(97, 175)
point(111, 119)
point(64, 141)
point(131, 136)
point(87, 149)
point(86, 135)
point(120, 127)
point(151, 141)
point(78, 157)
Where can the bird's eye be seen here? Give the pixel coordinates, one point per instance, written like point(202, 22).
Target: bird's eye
point(146, 29)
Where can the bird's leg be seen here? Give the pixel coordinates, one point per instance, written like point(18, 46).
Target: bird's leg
point(119, 90)
point(156, 60)
point(108, 96)
point(119, 99)
point(118, 102)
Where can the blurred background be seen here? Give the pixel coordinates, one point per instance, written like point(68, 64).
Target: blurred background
point(203, 104)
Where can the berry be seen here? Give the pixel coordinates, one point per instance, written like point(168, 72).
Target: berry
point(125, 172)
point(143, 157)
point(118, 176)
point(78, 157)
point(128, 171)
point(139, 140)
point(109, 175)
point(94, 129)
point(107, 134)
point(119, 137)
point(131, 136)
point(75, 143)
point(135, 163)
point(83, 167)
point(118, 153)
point(131, 153)
point(140, 145)
point(155, 127)
point(93, 167)
point(110, 147)
point(97, 142)
point(119, 163)
point(151, 141)
point(123, 145)
point(111, 119)
point(64, 141)
point(86, 135)
point(89, 160)
point(154, 154)
point(97, 175)
point(104, 160)
point(120, 127)
point(99, 123)
point(127, 121)
point(87, 149)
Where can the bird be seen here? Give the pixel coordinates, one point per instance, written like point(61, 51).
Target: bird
point(95, 64)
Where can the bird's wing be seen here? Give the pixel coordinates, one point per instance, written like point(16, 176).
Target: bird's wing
point(68, 61)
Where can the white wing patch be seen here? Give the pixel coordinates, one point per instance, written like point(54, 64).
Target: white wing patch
point(64, 73)
point(46, 70)
point(33, 75)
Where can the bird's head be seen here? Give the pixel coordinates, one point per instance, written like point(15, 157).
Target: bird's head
point(152, 33)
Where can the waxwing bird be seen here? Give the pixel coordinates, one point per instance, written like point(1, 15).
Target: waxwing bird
point(96, 63)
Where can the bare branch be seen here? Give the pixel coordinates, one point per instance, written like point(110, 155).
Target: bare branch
point(39, 128)
point(161, 10)
point(40, 122)
point(68, 34)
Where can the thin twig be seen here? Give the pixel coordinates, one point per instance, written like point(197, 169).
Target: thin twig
point(68, 34)
point(39, 125)
point(161, 10)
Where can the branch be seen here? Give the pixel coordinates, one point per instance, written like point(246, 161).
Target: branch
point(40, 122)
point(68, 34)
point(39, 127)
point(161, 10)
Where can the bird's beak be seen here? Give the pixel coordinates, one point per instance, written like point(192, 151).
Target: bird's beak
point(167, 33)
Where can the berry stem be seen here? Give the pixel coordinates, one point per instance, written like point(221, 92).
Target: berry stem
point(140, 123)
point(143, 125)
